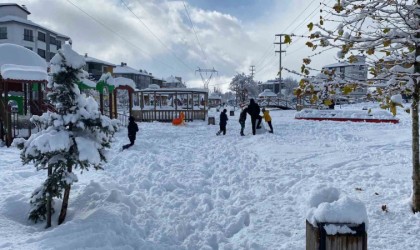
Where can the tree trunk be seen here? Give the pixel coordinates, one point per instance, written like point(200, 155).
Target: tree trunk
point(65, 204)
point(49, 200)
point(415, 131)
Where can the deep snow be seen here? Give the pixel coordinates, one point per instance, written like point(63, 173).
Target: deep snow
point(186, 188)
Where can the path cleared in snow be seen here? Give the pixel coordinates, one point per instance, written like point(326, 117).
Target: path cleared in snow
point(186, 188)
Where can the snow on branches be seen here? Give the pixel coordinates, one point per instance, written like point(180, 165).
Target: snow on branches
point(75, 136)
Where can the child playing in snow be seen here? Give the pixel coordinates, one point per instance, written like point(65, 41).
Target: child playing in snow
point(242, 119)
point(223, 122)
point(132, 130)
point(267, 118)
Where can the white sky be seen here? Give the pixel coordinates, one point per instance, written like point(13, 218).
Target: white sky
point(233, 34)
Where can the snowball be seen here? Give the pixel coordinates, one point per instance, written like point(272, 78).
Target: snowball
point(397, 99)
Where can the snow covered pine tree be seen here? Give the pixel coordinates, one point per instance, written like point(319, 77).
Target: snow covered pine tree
point(75, 136)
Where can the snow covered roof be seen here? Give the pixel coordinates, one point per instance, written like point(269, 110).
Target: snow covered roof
point(19, 63)
point(122, 81)
point(174, 90)
point(172, 79)
point(128, 70)
point(267, 93)
point(215, 96)
point(344, 64)
point(28, 22)
point(95, 60)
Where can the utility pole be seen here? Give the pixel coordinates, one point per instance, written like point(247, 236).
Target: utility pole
point(252, 69)
point(280, 54)
point(206, 80)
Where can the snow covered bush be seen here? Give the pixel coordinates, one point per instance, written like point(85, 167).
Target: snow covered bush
point(74, 137)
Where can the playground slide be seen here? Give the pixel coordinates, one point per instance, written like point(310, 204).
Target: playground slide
point(180, 120)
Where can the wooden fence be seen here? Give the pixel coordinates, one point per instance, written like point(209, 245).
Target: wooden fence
point(168, 115)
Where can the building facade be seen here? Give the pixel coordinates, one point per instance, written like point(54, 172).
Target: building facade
point(273, 85)
point(173, 82)
point(142, 78)
point(15, 28)
point(348, 72)
point(96, 67)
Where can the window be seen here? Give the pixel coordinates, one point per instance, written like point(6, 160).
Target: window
point(41, 36)
point(3, 32)
point(28, 35)
point(52, 54)
point(53, 41)
point(58, 44)
point(41, 53)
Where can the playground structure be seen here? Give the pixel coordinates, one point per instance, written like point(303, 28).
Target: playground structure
point(107, 89)
point(180, 120)
point(23, 79)
point(166, 104)
point(23, 84)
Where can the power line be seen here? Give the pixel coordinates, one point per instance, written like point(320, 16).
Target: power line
point(151, 32)
point(195, 33)
point(118, 35)
point(302, 13)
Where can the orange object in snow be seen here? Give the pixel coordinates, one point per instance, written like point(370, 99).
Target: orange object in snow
point(179, 120)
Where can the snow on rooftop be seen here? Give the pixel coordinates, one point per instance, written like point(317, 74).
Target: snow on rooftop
point(128, 70)
point(18, 55)
point(267, 93)
point(18, 72)
point(95, 60)
point(19, 63)
point(172, 79)
point(123, 81)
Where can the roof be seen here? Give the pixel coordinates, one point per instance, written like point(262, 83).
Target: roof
point(95, 60)
point(128, 70)
point(14, 4)
point(28, 22)
point(344, 64)
point(267, 93)
point(19, 55)
point(174, 90)
point(20, 63)
point(172, 79)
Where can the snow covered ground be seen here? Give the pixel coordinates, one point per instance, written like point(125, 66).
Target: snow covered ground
point(186, 188)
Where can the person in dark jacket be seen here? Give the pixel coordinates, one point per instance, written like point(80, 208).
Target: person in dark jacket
point(254, 112)
point(242, 119)
point(132, 130)
point(223, 122)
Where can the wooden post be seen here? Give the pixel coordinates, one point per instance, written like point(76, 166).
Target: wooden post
point(110, 104)
point(115, 104)
point(154, 104)
point(130, 101)
point(318, 239)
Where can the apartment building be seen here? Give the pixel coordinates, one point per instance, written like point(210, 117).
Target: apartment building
point(15, 28)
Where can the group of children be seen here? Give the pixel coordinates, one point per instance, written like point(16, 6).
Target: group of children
point(253, 110)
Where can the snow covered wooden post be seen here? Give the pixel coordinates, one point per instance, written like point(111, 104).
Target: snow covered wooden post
point(335, 222)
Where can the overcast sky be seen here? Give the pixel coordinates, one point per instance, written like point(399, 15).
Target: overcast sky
point(157, 35)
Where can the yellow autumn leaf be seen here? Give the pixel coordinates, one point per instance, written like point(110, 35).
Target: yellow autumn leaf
point(297, 92)
point(386, 30)
point(287, 39)
point(327, 102)
point(309, 44)
point(347, 90)
point(387, 43)
point(306, 61)
point(370, 51)
point(310, 26)
point(393, 110)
